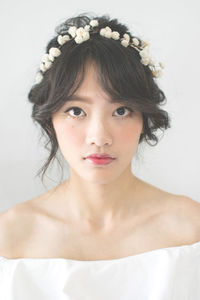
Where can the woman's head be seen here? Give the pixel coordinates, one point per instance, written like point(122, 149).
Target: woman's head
point(120, 75)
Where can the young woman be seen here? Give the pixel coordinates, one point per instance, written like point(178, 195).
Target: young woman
point(103, 233)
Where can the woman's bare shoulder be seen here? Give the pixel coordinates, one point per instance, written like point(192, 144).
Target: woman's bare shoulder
point(186, 207)
point(182, 216)
point(16, 224)
point(20, 213)
point(179, 214)
point(7, 235)
point(191, 209)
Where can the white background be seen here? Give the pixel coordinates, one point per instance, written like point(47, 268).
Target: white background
point(173, 30)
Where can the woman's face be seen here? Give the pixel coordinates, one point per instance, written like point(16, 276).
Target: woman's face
point(97, 126)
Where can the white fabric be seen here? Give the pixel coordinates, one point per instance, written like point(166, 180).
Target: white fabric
point(171, 273)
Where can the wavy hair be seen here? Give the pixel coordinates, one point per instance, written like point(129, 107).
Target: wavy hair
point(121, 73)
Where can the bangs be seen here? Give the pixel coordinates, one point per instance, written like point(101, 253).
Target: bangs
point(119, 71)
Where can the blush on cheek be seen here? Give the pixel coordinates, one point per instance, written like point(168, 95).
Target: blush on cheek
point(72, 135)
point(129, 134)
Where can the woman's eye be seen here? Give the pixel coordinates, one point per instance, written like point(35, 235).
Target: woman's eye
point(120, 111)
point(76, 109)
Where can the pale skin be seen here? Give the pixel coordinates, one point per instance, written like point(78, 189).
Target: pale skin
point(99, 212)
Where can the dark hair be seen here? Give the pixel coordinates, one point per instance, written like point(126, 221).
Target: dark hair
point(120, 71)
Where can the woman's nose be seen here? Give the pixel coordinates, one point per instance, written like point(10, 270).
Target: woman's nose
point(98, 133)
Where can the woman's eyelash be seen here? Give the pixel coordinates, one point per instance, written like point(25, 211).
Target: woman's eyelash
point(76, 107)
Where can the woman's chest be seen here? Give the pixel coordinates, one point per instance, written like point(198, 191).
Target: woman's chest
point(55, 240)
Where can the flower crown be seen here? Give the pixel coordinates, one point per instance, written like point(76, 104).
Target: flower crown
point(82, 34)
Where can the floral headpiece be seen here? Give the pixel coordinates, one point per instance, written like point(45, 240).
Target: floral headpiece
point(82, 34)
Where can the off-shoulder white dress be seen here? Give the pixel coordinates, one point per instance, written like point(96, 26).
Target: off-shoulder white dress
point(171, 273)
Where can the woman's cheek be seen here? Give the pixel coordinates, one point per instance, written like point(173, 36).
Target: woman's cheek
point(128, 134)
point(72, 134)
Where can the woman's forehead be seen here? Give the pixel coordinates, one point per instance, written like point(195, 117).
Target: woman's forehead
point(90, 83)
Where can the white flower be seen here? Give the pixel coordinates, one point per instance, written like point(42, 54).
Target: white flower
point(115, 35)
point(87, 27)
point(63, 39)
point(144, 52)
point(78, 39)
point(82, 35)
point(80, 31)
point(145, 60)
point(108, 34)
point(54, 52)
point(48, 64)
point(126, 37)
point(45, 57)
point(72, 31)
point(42, 67)
point(102, 31)
point(39, 77)
point(144, 44)
point(108, 29)
point(86, 35)
point(51, 57)
point(135, 41)
point(125, 40)
point(94, 23)
point(124, 43)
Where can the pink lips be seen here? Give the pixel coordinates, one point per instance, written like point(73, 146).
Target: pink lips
point(99, 156)
point(100, 161)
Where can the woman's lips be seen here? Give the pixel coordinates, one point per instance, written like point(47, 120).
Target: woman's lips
point(100, 161)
